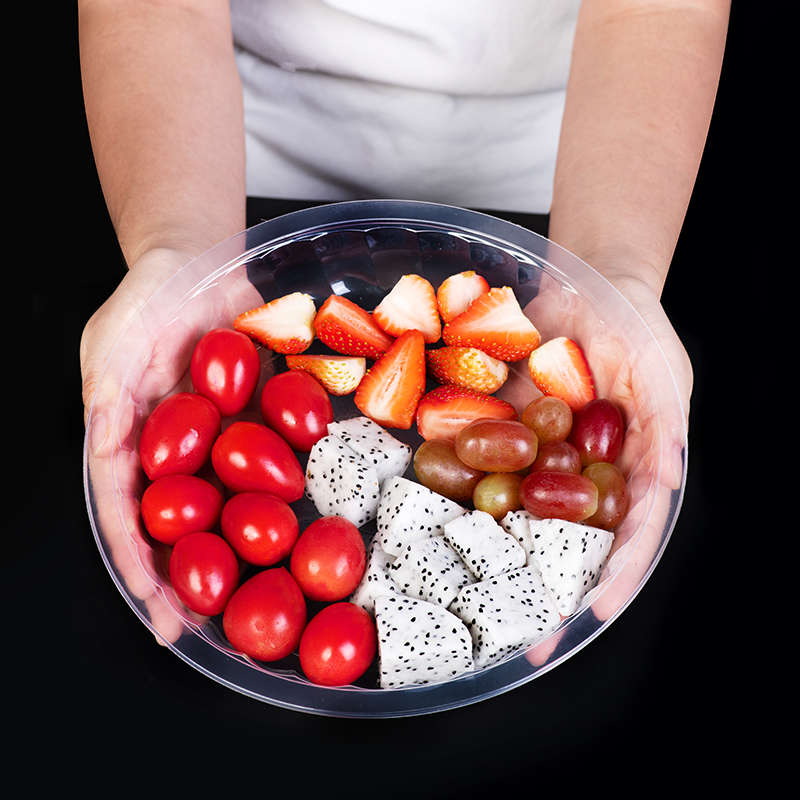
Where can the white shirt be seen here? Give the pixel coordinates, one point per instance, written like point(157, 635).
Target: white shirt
point(452, 101)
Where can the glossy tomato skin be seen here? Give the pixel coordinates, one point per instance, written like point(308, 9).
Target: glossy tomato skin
point(338, 645)
point(178, 435)
point(295, 405)
point(260, 527)
point(329, 559)
point(225, 368)
point(176, 505)
point(204, 572)
point(266, 616)
point(250, 457)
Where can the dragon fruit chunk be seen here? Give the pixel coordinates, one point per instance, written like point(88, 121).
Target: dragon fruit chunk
point(518, 525)
point(419, 642)
point(408, 511)
point(429, 569)
point(375, 445)
point(569, 556)
point(377, 579)
point(340, 482)
point(506, 614)
point(483, 545)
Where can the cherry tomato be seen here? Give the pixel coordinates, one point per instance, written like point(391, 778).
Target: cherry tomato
point(176, 505)
point(338, 645)
point(225, 368)
point(250, 457)
point(178, 435)
point(204, 572)
point(266, 616)
point(295, 405)
point(260, 527)
point(329, 559)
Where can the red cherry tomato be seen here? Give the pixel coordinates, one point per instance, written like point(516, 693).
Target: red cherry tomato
point(176, 505)
point(338, 645)
point(225, 368)
point(266, 616)
point(295, 405)
point(329, 559)
point(260, 527)
point(204, 572)
point(178, 435)
point(250, 457)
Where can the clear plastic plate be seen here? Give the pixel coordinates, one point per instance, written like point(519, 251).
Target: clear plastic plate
point(359, 249)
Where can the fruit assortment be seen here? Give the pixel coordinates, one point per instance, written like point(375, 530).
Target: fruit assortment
point(490, 481)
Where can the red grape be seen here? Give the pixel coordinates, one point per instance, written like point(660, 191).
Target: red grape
point(496, 445)
point(612, 500)
point(560, 495)
point(498, 493)
point(439, 468)
point(597, 432)
point(557, 457)
point(550, 418)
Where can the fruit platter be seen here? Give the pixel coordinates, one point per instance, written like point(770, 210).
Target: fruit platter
point(384, 458)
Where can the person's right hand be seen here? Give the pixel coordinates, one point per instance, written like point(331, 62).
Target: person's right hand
point(148, 362)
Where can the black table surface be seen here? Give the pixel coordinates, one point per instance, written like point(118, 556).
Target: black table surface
point(654, 685)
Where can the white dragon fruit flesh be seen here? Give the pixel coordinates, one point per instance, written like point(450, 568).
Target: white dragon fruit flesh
point(374, 444)
point(569, 556)
point(376, 580)
point(419, 642)
point(340, 482)
point(506, 614)
point(518, 525)
point(429, 569)
point(483, 545)
point(408, 511)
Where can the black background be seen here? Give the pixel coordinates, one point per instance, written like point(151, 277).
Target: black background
point(656, 695)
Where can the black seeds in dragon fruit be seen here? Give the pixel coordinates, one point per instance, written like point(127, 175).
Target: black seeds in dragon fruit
point(483, 545)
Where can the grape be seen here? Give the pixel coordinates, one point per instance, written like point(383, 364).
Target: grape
point(496, 445)
point(597, 432)
point(612, 500)
point(560, 495)
point(550, 418)
point(557, 457)
point(498, 493)
point(439, 468)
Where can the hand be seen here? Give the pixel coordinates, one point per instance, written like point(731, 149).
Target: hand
point(655, 444)
point(129, 363)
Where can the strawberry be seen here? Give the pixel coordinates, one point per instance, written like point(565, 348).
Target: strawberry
point(410, 304)
point(494, 323)
point(559, 367)
point(457, 292)
point(339, 375)
point(348, 329)
point(443, 412)
point(284, 325)
point(467, 366)
point(389, 392)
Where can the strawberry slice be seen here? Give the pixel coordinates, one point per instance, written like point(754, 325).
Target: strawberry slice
point(349, 330)
point(457, 292)
point(284, 325)
point(411, 304)
point(443, 412)
point(467, 366)
point(559, 367)
point(494, 323)
point(389, 392)
point(339, 375)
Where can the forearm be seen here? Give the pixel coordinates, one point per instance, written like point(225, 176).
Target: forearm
point(164, 109)
point(641, 91)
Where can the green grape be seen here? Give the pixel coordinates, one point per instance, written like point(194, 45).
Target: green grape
point(498, 493)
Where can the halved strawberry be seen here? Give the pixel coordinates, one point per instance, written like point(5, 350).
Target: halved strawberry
point(467, 366)
point(494, 323)
point(559, 367)
point(339, 375)
point(457, 292)
point(349, 329)
point(443, 412)
point(284, 325)
point(389, 392)
point(411, 304)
